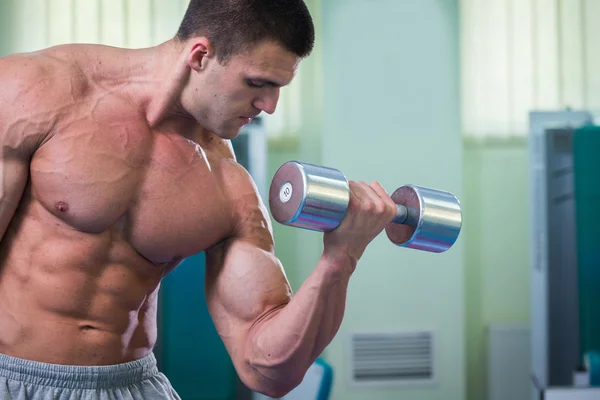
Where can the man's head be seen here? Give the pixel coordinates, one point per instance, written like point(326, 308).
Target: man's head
point(240, 52)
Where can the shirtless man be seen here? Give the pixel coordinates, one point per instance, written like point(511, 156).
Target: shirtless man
point(116, 165)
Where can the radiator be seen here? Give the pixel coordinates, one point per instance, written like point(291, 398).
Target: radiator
point(508, 362)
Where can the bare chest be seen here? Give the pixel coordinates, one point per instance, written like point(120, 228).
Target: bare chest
point(156, 190)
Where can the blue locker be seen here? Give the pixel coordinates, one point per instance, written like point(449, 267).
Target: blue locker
point(586, 142)
point(192, 354)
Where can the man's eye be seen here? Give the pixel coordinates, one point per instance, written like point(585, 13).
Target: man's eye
point(254, 84)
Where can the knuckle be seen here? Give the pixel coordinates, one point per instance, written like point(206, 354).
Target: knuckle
point(381, 207)
point(369, 206)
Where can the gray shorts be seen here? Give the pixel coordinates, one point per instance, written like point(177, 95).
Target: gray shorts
point(31, 380)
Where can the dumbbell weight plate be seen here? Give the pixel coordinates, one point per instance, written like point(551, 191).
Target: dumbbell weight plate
point(439, 219)
point(309, 196)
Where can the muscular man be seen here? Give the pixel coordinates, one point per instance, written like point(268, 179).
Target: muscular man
point(116, 164)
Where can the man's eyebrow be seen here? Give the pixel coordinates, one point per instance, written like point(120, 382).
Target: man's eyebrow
point(266, 82)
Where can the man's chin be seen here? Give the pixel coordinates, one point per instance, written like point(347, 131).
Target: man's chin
point(229, 133)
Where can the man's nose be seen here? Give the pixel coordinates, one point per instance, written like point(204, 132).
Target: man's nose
point(268, 101)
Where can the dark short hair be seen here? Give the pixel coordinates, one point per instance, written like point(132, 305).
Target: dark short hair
point(233, 26)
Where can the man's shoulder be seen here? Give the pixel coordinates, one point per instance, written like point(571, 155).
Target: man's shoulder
point(234, 177)
point(46, 62)
point(37, 86)
point(251, 219)
point(40, 77)
point(234, 174)
point(221, 152)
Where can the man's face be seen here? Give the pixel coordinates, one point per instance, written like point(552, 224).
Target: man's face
point(224, 98)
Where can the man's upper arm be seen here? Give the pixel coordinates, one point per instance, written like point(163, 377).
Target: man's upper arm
point(245, 281)
point(23, 127)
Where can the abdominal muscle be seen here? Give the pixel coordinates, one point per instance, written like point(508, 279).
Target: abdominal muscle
point(68, 297)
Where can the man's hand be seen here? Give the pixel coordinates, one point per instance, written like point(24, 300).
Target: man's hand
point(370, 210)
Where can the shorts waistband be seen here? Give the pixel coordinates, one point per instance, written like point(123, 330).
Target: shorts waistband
point(78, 377)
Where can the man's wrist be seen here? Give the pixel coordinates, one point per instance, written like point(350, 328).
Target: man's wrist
point(339, 259)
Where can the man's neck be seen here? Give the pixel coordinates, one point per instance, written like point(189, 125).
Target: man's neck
point(167, 73)
point(154, 78)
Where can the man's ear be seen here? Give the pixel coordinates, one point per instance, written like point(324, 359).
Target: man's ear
point(200, 53)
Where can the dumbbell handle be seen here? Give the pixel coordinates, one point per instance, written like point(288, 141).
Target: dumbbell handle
point(406, 215)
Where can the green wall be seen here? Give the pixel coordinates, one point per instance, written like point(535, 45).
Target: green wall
point(6, 13)
point(495, 207)
point(496, 214)
point(493, 174)
point(391, 113)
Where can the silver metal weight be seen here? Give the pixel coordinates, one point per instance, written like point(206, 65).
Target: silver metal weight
point(438, 219)
point(309, 196)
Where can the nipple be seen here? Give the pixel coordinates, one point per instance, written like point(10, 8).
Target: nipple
point(61, 207)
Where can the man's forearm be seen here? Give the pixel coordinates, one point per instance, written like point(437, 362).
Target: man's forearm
point(285, 344)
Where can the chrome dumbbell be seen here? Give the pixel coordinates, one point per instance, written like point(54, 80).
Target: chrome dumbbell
point(314, 197)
